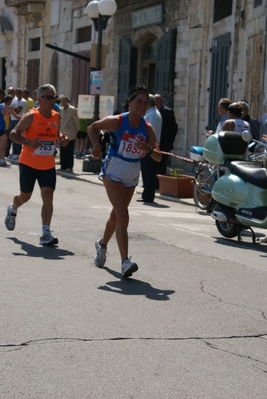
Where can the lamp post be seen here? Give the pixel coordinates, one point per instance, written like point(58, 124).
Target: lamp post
point(100, 12)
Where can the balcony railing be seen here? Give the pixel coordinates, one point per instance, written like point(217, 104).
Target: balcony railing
point(19, 3)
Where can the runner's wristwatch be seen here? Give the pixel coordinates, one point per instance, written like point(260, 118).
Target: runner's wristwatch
point(150, 150)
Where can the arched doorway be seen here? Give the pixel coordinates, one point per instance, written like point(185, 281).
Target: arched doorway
point(155, 69)
point(148, 65)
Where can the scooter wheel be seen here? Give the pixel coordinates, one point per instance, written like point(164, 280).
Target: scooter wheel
point(227, 230)
point(203, 178)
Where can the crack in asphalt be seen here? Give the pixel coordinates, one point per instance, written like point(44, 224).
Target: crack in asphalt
point(15, 347)
point(212, 346)
point(229, 303)
point(204, 339)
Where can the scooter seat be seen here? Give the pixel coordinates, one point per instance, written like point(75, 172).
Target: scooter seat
point(232, 143)
point(249, 172)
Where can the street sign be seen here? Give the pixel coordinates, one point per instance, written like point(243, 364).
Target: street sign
point(95, 82)
point(86, 106)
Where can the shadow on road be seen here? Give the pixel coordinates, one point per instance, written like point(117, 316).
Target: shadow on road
point(45, 252)
point(155, 205)
point(131, 286)
point(247, 245)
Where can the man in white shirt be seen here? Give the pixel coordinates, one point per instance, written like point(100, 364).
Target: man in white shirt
point(148, 165)
point(69, 124)
point(10, 92)
point(19, 106)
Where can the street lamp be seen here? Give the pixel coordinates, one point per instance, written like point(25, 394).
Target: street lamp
point(100, 12)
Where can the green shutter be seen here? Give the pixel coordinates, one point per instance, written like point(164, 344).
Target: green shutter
point(127, 70)
point(165, 63)
point(218, 76)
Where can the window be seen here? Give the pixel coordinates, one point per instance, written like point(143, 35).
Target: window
point(33, 69)
point(150, 50)
point(149, 64)
point(84, 34)
point(257, 3)
point(35, 44)
point(222, 9)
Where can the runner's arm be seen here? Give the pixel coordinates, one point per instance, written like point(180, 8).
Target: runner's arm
point(16, 133)
point(109, 123)
point(9, 110)
point(152, 147)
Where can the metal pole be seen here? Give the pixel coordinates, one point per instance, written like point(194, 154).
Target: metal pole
point(98, 65)
point(62, 50)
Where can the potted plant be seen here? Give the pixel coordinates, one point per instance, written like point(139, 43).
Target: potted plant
point(176, 184)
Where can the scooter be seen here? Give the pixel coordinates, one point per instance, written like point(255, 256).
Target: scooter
point(239, 196)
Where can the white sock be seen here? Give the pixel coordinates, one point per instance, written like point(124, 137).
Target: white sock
point(45, 228)
point(12, 210)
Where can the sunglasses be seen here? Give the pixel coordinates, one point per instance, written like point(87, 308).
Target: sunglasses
point(50, 97)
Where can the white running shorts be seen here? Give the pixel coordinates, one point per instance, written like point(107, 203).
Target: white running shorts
point(120, 171)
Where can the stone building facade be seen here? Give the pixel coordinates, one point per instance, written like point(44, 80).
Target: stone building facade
point(191, 51)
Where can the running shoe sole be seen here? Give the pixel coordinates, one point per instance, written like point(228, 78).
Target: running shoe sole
point(50, 243)
point(130, 271)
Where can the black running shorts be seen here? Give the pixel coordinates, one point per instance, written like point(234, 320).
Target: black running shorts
point(28, 177)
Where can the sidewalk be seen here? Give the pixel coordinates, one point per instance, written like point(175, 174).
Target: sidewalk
point(91, 177)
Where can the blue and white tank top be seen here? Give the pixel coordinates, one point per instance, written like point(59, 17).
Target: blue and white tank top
point(123, 140)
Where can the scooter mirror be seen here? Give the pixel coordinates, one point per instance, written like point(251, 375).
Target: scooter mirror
point(247, 136)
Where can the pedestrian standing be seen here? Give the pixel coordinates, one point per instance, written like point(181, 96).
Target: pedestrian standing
point(81, 137)
point(255, 127)
point(168, 132)
point(10, 92)
point(131, 138)
point(37, 132)
point(29, 101)
point(69, 124)
point(235, 123)
point(5, 111)
point(19, 106)
point(148, 165)
point(222, 109)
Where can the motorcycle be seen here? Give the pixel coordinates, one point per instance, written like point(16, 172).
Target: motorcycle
point(239, 196)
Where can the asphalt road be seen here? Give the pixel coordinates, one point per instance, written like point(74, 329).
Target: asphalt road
point(190, 324)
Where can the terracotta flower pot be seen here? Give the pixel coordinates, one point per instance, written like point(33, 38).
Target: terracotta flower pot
point(181, 187)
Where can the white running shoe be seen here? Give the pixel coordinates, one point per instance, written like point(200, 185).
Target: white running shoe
point(263, 240)
point(128, 268)
point(100, 258)
point(48, 239)
point(10, 220)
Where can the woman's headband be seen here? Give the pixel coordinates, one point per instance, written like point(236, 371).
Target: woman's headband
point(135, 94)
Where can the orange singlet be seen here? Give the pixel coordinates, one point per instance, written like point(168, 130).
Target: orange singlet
point(46, 129)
